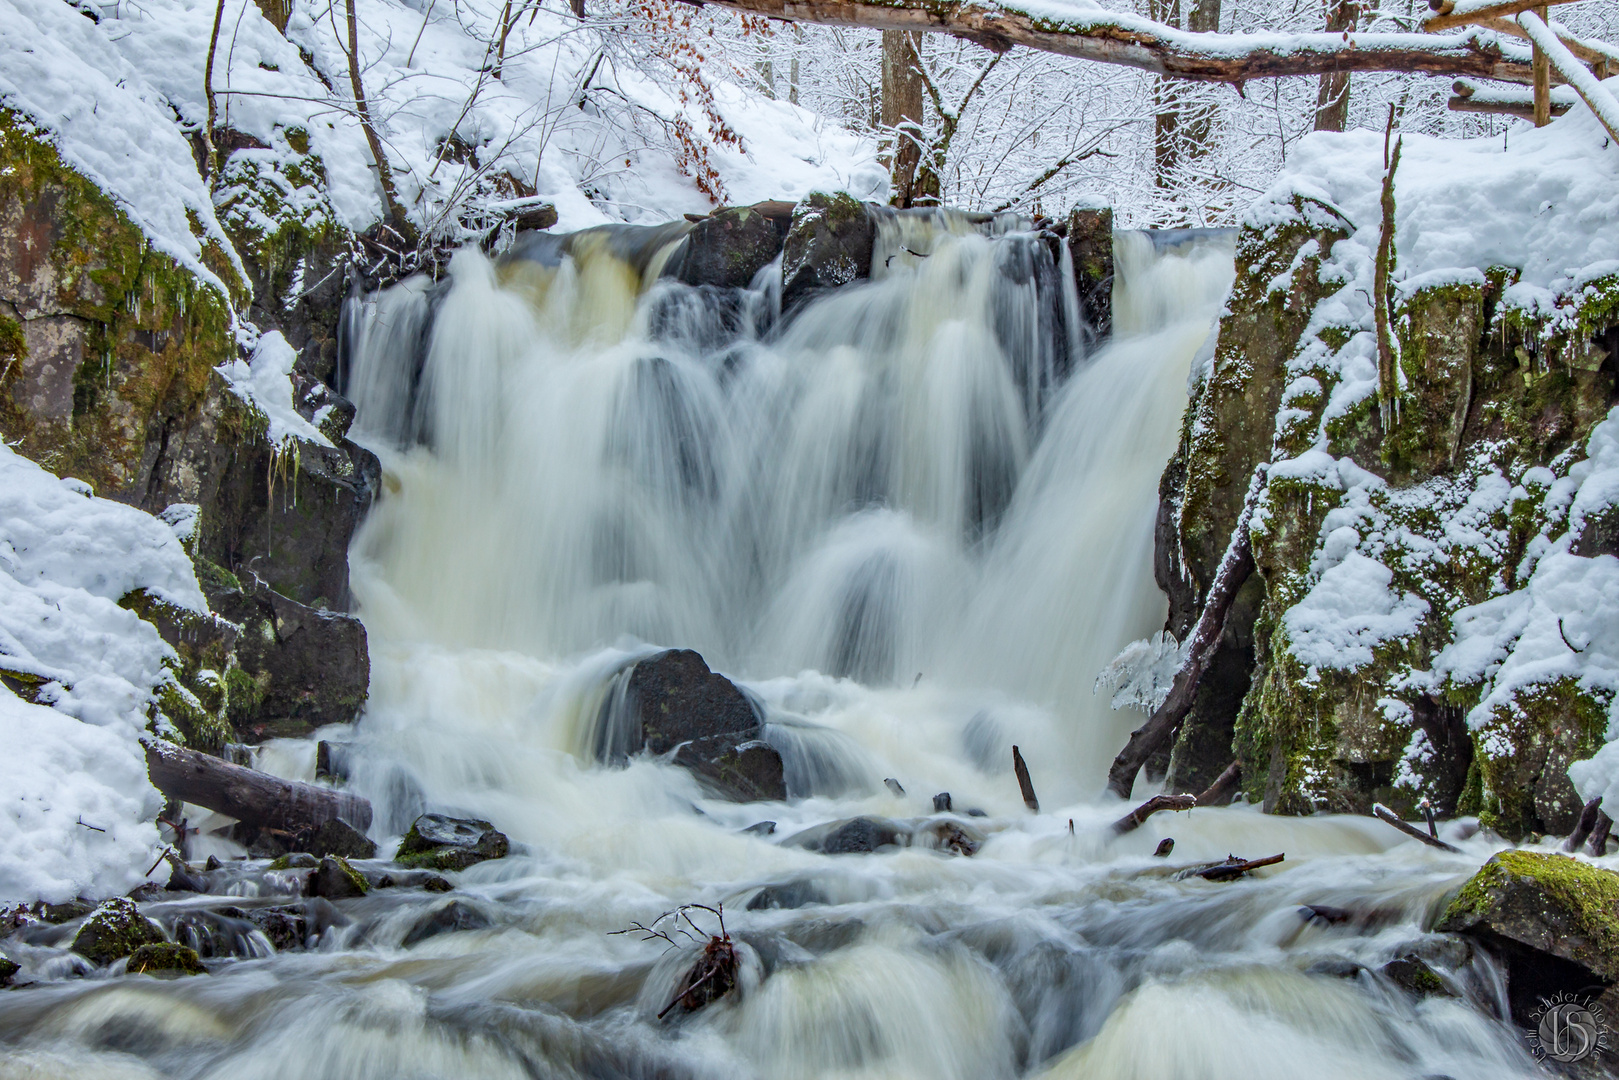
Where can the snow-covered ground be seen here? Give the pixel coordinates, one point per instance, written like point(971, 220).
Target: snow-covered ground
point(78, 808)
point(120, 93)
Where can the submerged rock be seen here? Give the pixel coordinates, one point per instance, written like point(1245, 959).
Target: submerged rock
point(455, 916)
point(114, 930)
point(1554, 920)
point(788, 895)
point(861, 835)
point(672, 702)
point(165, 958)
point(335, 879)
point(437, 842)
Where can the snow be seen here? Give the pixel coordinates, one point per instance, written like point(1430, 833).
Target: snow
point(119, 95)
point(265, 381)
point(1350, 610)
point(66, 558)
point(1143, 673)
point(1596, 96)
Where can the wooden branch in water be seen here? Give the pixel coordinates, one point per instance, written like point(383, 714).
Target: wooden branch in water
point(1384, 814)
point(249, 795)
point(1584, 826)
point(1160, 728)
point(1235, 868)
point(1023, 782)
point(1223, 785)
point(1599, 836)
point(1113, 37)
point(1132, 821)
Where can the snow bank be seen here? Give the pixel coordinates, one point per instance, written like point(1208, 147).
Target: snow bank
point(265, 381)
point(1350, 610)
point(66, 558)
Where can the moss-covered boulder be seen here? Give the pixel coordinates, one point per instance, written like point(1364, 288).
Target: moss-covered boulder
point(114, 930)
point(1553, 919)
point(727, 248)
point(8, 970)
point(165, 959)
point(437, 842)
point(335, 879)
point(828, 244)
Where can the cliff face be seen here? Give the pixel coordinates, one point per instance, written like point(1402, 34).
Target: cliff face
point(1389, 644)
point(110, 372)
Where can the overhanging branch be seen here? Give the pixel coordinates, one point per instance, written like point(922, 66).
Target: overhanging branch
point(1092, 33)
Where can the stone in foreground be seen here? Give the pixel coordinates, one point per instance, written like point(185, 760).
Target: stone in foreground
point(437, 842)
point(166, 958)
point(114, 930)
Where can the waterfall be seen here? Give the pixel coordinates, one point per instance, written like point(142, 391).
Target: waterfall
point(912, 519)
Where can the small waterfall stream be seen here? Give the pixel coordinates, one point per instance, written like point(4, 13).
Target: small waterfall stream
point(913, 521)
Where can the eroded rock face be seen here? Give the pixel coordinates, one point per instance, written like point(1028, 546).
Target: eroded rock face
point(672, 702)
point(829, 244)
point(437, 842)
point(1554, 920)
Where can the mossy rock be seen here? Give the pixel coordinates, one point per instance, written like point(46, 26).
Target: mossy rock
point(166, 958)
point(1549, 904)
point(8, 970)
point(828, 244)
point(727, 248)
point(436, 842)
point(335, 879)
point(115, 930)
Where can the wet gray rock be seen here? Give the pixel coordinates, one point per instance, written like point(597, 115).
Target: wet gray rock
point(438, 842)
point(337, 837)
point(455, 916)
point(730, 246)
point(114, 930)
point(673, 703)
point(854, 836)
point(789, 895)
point(828, 244)
point(335, 879)
point(165, 959)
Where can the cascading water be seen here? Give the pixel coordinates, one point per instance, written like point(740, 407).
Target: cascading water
point(914, 523)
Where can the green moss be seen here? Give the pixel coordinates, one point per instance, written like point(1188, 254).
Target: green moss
point(114, 930)
point(166, 958)
point(214, 578)
point(203, 730)
point(1588, 892)
point(244, 695)
point(1523, 750)
point(13, 346)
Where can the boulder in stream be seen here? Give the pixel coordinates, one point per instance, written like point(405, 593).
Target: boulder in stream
point(1552, 919)
point(114, 930)
point(335, 879)
point(672, 702)
point(829, 244)
point(731, 245)
point(165, 958)
point(437, 842)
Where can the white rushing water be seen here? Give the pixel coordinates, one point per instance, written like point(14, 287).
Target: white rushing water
point(914, 525)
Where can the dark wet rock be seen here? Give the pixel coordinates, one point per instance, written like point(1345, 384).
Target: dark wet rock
point(854, 836)
point(941, 803)
point(66, 911)
point(335, 879)
point(976, 812)
point(147, 891)
point(788, 895)
point(828, 244)
point(296, 860)
point(8, 970)
point(1414, 975)
point(337, 837)
point(672, 702)
point(452, 917)
point(1090, 243)
point(114, 930)
point(1336, 967)
point(1165, 848)
point(437, 842)
point(287, 928)
point(165, 958)
point(1552, 919)
point(729, 247)
point(761, 828)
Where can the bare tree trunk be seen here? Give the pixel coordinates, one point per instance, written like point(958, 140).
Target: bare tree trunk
point(249, 795)
point(792, 72)
point(208, 92)
point(1332, 99)
point(385, 176)
point(902, 109)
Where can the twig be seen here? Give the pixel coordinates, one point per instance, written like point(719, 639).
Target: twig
point(1234, 867)
point(208, 92)
point(87, 825)
point(1023, 782)
point(1388, 816)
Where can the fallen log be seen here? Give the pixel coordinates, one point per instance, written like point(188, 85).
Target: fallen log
point(1114, 37)
point(248, 795)
point(1222, 787)
point(1384, 814)
point(1160, 728)
point(1023, 782)
point(1234, 867)
point(1584, 826)
point(1132, 821)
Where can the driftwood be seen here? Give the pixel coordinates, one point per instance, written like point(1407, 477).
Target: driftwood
point(1384, 814)
point(1160, 728)
point(248, 795)
point(1223, 785)
point(1023, 782)
point(1234, 867)
point(1585, 825)
point(1132, 821)
point(1113, 37)
point(1599, 835)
